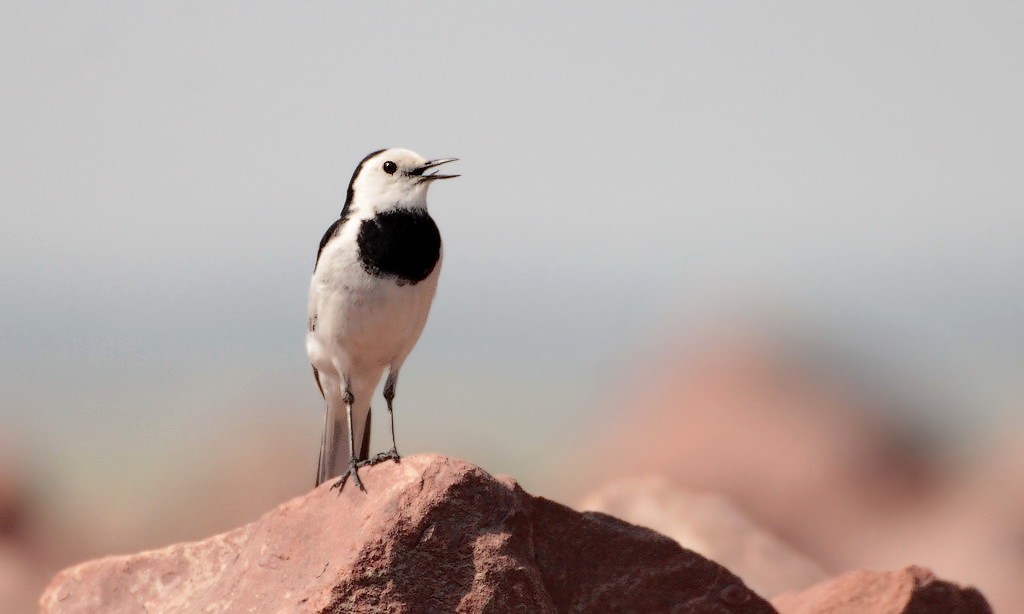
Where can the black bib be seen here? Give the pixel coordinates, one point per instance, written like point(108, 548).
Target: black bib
point(403, 243)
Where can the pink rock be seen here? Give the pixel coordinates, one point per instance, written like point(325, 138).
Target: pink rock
point(712, 526)
point(431, 535)
point(752, 420)
point(20, 580)
point(913, 590)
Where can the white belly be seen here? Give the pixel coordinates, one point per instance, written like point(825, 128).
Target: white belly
point(362, 324)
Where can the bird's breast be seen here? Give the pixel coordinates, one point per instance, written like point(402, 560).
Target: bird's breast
point(359, 321)
point(403, 244)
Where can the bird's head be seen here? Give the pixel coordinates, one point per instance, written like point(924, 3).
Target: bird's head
point(393, 178)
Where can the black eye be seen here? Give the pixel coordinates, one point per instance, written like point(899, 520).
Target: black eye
point(390, 167)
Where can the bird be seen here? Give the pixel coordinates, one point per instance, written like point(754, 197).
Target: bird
point(373, 283)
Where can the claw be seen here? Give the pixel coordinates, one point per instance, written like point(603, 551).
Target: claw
point(354, 465)
point(353, 470)
point(391, 454)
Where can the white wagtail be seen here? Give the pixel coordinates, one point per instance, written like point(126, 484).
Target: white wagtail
point(373, 282)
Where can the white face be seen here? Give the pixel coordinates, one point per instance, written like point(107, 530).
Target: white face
point(394, 178)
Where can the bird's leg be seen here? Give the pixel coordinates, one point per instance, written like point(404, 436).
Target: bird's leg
point(389, 396)
point(353, 464)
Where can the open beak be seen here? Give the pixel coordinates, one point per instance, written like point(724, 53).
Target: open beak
point(432, 164)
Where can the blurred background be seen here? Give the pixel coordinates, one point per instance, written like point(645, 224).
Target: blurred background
point(770, 251)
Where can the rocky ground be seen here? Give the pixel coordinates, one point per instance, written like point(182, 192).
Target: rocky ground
point(434, 534)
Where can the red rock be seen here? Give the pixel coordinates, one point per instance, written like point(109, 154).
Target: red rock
point(712, 526)
point(774, 432)
point(913, 590)
point(22, 557)
point(20, 580)
point(430, 535)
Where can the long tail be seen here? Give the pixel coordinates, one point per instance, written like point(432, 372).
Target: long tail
point(334, 446)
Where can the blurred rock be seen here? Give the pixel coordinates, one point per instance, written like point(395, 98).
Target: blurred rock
point(431, 534)
point(21, 576)
point(14, 499)
point(974, 532)
point(709, 525)
point(911, 590)
point(20, 581)
point(810, 449)
point(786, 436)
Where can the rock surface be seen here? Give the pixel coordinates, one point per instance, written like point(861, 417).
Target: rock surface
point(712, 526)
point(808, 454)
point(773, 429)
point(913, 590)
point(431, 534)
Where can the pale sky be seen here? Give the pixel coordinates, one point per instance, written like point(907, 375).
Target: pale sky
point(167, 169)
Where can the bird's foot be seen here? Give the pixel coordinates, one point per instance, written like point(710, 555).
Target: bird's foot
point(353, 470)
point(391, 454)
point(354, 465)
